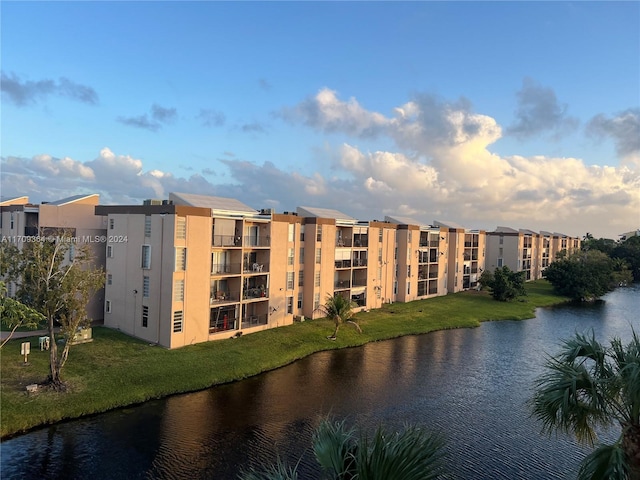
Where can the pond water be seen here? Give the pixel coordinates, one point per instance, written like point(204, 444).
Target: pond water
point(469, 384)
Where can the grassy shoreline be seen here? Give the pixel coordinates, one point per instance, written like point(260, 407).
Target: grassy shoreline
point(118, 371)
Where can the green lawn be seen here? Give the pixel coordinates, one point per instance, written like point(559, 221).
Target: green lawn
point(115, 370)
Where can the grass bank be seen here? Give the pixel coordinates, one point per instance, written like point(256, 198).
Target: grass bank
point(115, 370)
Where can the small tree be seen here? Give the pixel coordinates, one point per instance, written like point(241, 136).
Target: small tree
point(589, 385)
point(57, 279)
point(505, 284)
point(340, 310)
point(14, 314)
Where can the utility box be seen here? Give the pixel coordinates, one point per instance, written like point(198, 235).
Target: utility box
point(83, 335)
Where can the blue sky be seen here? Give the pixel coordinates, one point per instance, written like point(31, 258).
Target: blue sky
point(525, 114)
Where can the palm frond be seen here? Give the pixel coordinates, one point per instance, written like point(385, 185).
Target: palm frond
point(333, 445)
point(605, 462)
point(279, 471)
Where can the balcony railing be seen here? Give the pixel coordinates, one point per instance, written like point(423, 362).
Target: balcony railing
point(250, 241)
point(357, 282)
point(344, 242)
point(359, 262)
point(225, 268)
point(222, 324)
point(250, 293)
point(222, 296)
point(254, 320)
point(226, 241)
point(31, 231)
point(256, 267)
point(343, 263)
point(342, 284)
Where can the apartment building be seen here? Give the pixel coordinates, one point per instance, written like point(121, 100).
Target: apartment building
point(421, 264)
point(73, 216)
point(344, 256)
point(525, 250)
point(196, 268)
point(466, 255)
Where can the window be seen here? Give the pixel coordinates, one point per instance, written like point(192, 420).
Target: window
point(181, 227)
point(410, 232)
point(177, 321)
point(408, 288)
point(380, 254)
point(501, 239)
point(178, 291)
point(146, 256)
point(107, 306)
point(111, 223)
point(147, 225)
point(301, 254)
point(318, 255)
point(319, 233)
point(408, 270)
point(300, 278)
point(395, 287)
point(317, 279)
point(380, 235)
point(109, 279)
point(290, 256)
point(181, 259)
point(145, 316)
point(300, 300)
point(109, 251)
point(291, 232)
point(289, 304)
point(11, 223)
point(145, 286)
point(500, 251)
point(302, 233)
point(316, 301)
point(290, 280)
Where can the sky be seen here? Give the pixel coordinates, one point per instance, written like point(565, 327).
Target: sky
point(519, 114)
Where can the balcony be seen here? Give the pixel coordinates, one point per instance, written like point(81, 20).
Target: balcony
point(339, 284)
point(254, 321)
point(222, 324)
point(255, 292)
point(343, 264)
point(359, 262)
point(251, 241)
point(31, 231)
point(256, 268)
point(225, 268)
point(344, 242)
point(222, 296)
point(359, 282)
point(226, 241)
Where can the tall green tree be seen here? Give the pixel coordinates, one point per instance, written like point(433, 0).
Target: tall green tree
point(629, 251)
point(585, 275)
point(505, 284)
point(57, 278)
point(590, 385)
point(340, 310)
point(411, 454)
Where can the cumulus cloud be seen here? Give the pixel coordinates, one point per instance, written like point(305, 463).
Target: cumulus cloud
point(117, 178)
point(25, 92)
point(326, 112)
point(539, 111)
point(623, 128)
point(153, 121)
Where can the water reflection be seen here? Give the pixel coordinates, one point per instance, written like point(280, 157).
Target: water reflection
point(471, 384)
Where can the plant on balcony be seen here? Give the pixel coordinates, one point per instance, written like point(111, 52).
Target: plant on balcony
point(340, 310)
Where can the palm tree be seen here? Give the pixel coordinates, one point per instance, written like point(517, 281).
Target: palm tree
point(412, 454)
point(589, 385)
point(340, 310)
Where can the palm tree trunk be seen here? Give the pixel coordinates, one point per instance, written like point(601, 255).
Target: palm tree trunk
point(631, 447)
